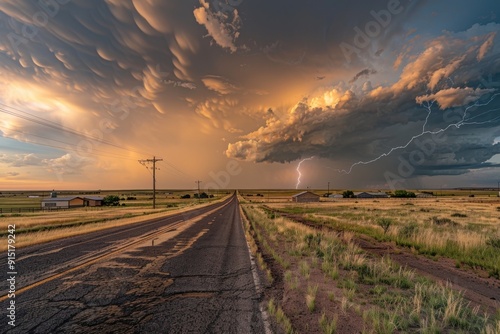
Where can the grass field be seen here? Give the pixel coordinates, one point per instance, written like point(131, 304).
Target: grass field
point(332, 286)
point(454, 225)
point(42, 226)
point(32, 199)
point(462, 228)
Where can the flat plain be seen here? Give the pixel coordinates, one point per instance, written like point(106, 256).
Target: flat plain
point(384, 265)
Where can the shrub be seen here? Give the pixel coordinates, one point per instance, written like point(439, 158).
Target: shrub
point(111, 200)
point(348, 194)
point(493, 242)
point(404, 194)
point(443, 221)
point(385, 223)
point(408, 231)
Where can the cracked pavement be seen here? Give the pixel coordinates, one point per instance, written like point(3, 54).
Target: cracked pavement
point(197, 278)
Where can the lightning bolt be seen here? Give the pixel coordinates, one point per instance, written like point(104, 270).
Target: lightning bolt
point(299, 172)
point(466, 120)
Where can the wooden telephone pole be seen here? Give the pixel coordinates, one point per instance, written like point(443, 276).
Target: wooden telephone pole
point(146, 164)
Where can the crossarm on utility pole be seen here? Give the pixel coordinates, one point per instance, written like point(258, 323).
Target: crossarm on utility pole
point(145, 163)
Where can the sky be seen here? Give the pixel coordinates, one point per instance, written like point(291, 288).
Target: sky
point(379, 94)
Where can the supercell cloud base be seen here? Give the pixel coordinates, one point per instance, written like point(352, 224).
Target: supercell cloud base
point(89, 88)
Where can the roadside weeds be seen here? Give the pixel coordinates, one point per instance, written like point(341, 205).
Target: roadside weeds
point(331, 285)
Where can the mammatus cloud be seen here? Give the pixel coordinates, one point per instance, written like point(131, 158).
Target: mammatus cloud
point(218, 111)
point(219, 85)
point(343, 118)
point(222, 27)
point(142, 74)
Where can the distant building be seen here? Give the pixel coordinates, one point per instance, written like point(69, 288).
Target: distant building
point(305, 197)
point(424, 195)
point(62, 202)
point(92, 201)
point(55, 202)
point(336, 196)
point(365, 194)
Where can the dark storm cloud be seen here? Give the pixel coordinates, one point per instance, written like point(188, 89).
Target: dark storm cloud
point(360, 126)
point(224, 68)
point(364, 73)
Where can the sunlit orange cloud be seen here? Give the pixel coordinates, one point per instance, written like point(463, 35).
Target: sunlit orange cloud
point(50, 103)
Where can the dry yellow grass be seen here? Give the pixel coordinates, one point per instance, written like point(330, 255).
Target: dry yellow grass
point(463, 228)
point(482, 219)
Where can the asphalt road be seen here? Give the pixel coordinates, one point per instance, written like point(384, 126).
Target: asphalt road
point(188, 273)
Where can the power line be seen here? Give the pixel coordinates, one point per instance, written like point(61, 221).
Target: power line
point(198, 182)
point(44, 122)
point(176, 170)
point(69, 147)
point(41, 121)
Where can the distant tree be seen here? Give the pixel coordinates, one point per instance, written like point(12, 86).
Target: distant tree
point(186, 196)
point(203, 195)
point(111, 200)
point(404, 194)
point(348, 194)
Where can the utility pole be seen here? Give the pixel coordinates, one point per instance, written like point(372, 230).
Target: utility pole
point(198, 182)
point(146, 163)
point(328, 191)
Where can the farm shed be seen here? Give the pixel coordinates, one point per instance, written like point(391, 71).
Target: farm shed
point(92, 201)
point(305, 197)
point(62, 202)
point(370, 195)
point(71, 202)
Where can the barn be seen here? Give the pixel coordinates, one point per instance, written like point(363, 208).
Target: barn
point(305, 197)
point(55, 202)
point(62, 202)
point(92, 201)
point(365, 194)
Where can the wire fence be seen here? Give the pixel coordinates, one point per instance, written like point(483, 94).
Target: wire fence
point(25, 209)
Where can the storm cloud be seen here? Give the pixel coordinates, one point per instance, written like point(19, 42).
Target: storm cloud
point(361, 125)
point(90, 87)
